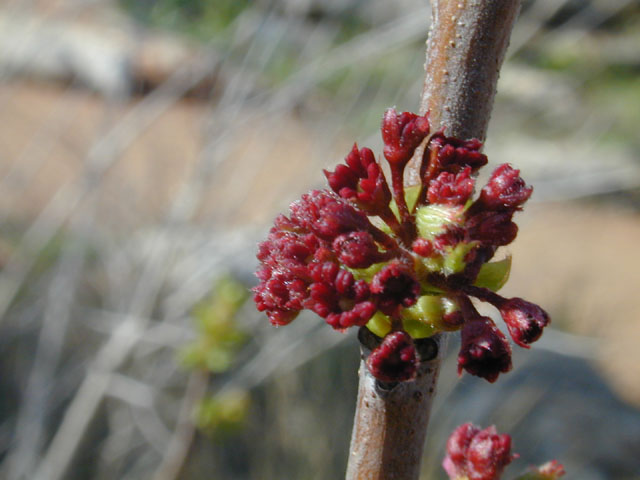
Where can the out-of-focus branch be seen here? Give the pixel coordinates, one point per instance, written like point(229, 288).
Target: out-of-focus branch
point(180, 444)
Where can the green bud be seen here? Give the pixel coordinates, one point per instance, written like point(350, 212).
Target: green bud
point(432, 220)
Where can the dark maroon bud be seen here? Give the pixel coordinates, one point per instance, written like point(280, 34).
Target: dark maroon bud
point(288, 249)
point(525, 320)
point(343, 181)
point(505, 190)
point(484, 350)
point(395, 286)
point(492, 227)
point(449, 238)
point(360, 160)
point(453, 154)
point(451, 189)
point(361, 291)
point(402, 133)
point(452, 320)
point(476, 454)
point(357, 250)
point(395, 359)
point(281, 295)
point(374, 194)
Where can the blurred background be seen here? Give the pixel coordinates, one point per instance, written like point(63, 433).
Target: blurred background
point(145, 147)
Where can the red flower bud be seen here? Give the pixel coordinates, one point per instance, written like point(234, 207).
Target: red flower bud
point(477, 454)
point(451, 189)
point(395, 286)
point(492, 227)
point(337, 297)
point(484, 350)
point(525, 320)
point(327, 215)
point(281, 295)
point(395, 359)
point(357, 250)
point(505, 190)
point(361, 180)
point(358, 316)
point(453, 154)
point(402, 134)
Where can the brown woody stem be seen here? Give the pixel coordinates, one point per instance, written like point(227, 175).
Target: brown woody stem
point(466, 47)
point(465, 50)
point(391, 419)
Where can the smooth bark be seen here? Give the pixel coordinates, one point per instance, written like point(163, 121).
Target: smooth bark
point(391, 419)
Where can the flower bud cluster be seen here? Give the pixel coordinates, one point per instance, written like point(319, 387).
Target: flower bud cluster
point(475, 454)
point(404, 261)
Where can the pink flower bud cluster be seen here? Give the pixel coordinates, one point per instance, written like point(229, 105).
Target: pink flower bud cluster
point(364, 252)
point(475, 454)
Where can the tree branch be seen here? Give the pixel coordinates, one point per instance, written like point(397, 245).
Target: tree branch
point(465, 50)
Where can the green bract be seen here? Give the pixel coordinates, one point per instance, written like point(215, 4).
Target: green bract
point(494, 275)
